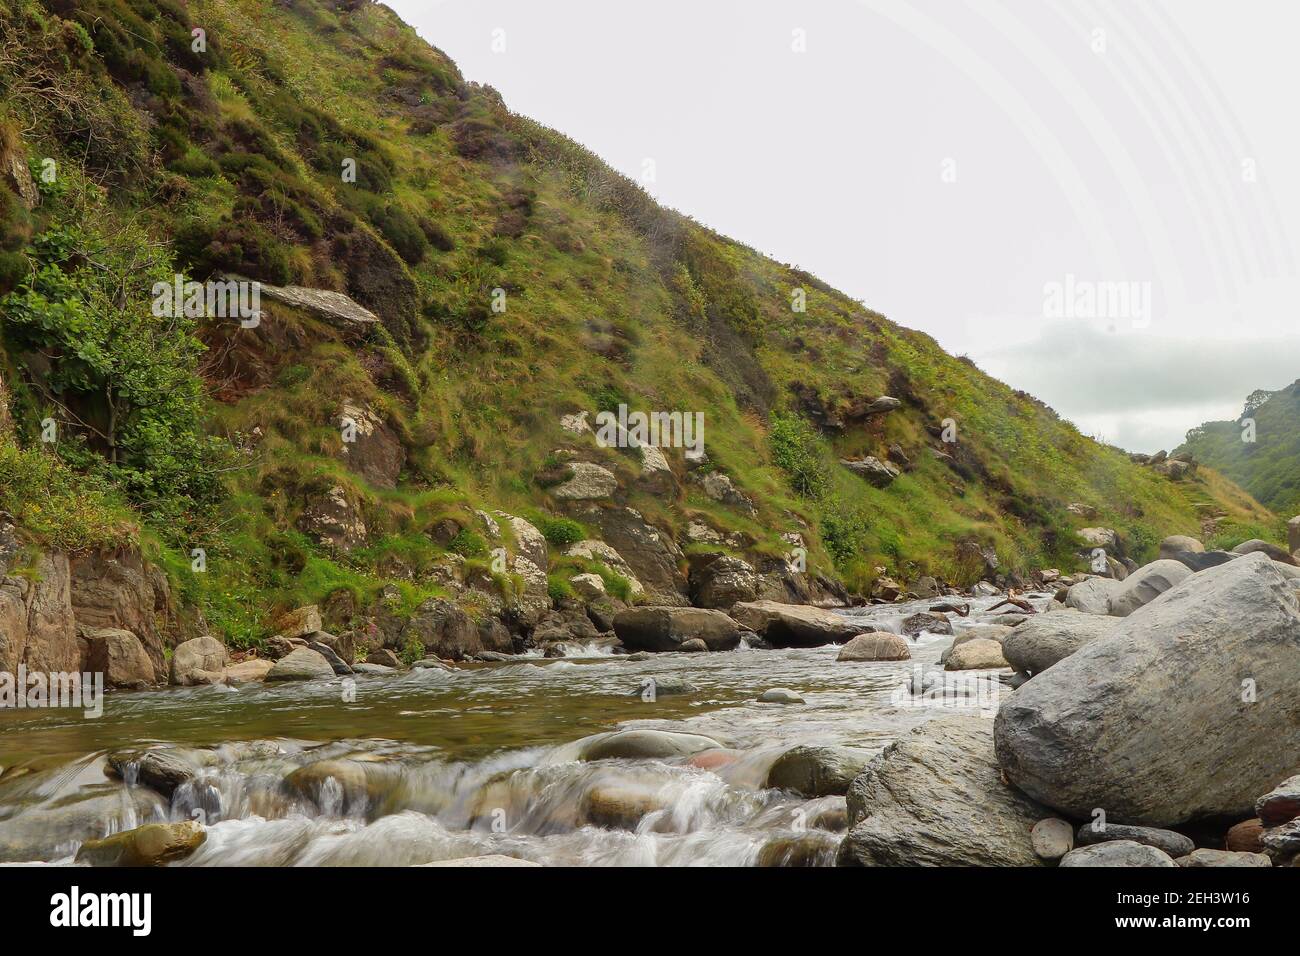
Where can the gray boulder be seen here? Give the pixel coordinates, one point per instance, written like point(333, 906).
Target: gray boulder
point(667, 628)
point(1047, 639)
point(1200, 561)
point(872, 469)
point(979, 654)
point(875, 646)
point(642, 745)
point(1258, 546)
point(1154, 723)
point(1175, 844)
point(1118, 853)
point(1145, 584)
point(197, 661)
point(1177, 543)
point(300, 664)
point(796, 625)
point(1220, 858)
point(935, 797)
point(1093, 595)
point(1281, 804)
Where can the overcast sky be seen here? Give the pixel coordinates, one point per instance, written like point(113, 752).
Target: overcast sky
point(1097, 201)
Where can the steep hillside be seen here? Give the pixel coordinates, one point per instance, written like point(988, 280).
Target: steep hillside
point(517, 280)
point(1260, 450)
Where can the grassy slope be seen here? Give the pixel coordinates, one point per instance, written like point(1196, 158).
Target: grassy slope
point(609, 299)
point(1265, 467)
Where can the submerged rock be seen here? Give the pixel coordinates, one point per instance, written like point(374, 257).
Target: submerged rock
point(154, 844)
point(643, 744)
point(817, 771)
point(779, 695)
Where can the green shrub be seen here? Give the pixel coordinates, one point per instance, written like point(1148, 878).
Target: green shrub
point(412, 651)
point(796, 450)
point(561, 532)
point(558, 588)
point(844, 534)
point(468, 544)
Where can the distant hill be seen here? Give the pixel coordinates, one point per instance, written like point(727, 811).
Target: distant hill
point(1269, 466)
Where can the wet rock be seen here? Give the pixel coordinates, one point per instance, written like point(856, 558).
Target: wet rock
point(1175, 844)
point(302, 664)
point(589, 483)
point(619, 806)
point(667, 628)
point(1052, 838)
point(333, 785)
point(643, 745)
point(490, 860)
point(300, 622)
point(926, 622)
point(1281, 804)
point(119, 656)
point(875, 646)
point(871, 469)
point(979, 654)
point(810, 849)
point(1048, 639)
point(373, 669)
point(1117, 724)
point(162, 770)
point(154, 844)
point(1145, 584)
point(794, 625)
point(1119, 853)
point(194, 662)
point(324, 650)
point(1218, 858)
point(652, 688)
point(817, 771)
point(935, 797)
point(723, 582)
point(779, 695)
point(375, 453)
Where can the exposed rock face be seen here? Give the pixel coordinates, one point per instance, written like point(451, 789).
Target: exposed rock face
point(722, 582)
point(656, 474)
point(935, 797)
point(593, 550)
point(334, 308)
point(795, 625)
point(1047, 639)
point(720, 488)
point(817, 771)
point(650, 553)
point(875, 646)
point(447, 631)
point(299, 622)
point(37, 626)
point(375, 452)
point(1281, 804)
point(118, 590)
point(589, 483)
point(1145, 584)
point(199, 661)
point(667, 628)
point(334, 519)
point(119, 656)
point(1219, 858)
point(872, 469)
point(1153, 723)
point(1255, 545)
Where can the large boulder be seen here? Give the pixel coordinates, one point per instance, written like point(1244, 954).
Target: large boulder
point(817, 771)
point(979, 654)
point(651, 555)
point(445, 630)
point(1047, 639)
point(872, 469)
point(300, 664)
point(796, 625)
point(588, 482)
point(199, 661)
point(1093, 595)
point(119, 656)
point(370, 448)
point(875, 646)
point(1178, 543)
point(1145, 584)
point(1186, 710)
point(1118, 853)
point(667, 628)
point(1258, 546)
point(1200, 560)
point(935, 797)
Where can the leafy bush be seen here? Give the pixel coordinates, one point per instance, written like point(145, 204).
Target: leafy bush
point(468, 544)
point(561, 532)
point(796, 450)
point(412, 651)
point(844, 534)
point(61, 509)
point(558, 588)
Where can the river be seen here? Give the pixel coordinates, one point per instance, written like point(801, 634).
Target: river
point(476, 760)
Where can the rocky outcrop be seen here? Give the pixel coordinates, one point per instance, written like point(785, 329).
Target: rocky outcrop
point(794, 625)
point(370, 448)
point(334, 519)
point(588, 483)
point(446, 631)
point(333, 308)
point(593, 550)
point(667, 628)
point(935, 797)
point(37, 626)
point(722, 581)
point(872, 470)
point(1184, 711)
point(119, 656)
point(117, 589)
point(651, 554)
point(1145, 584)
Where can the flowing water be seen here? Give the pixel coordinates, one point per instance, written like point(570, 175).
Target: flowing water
point(482, 759)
